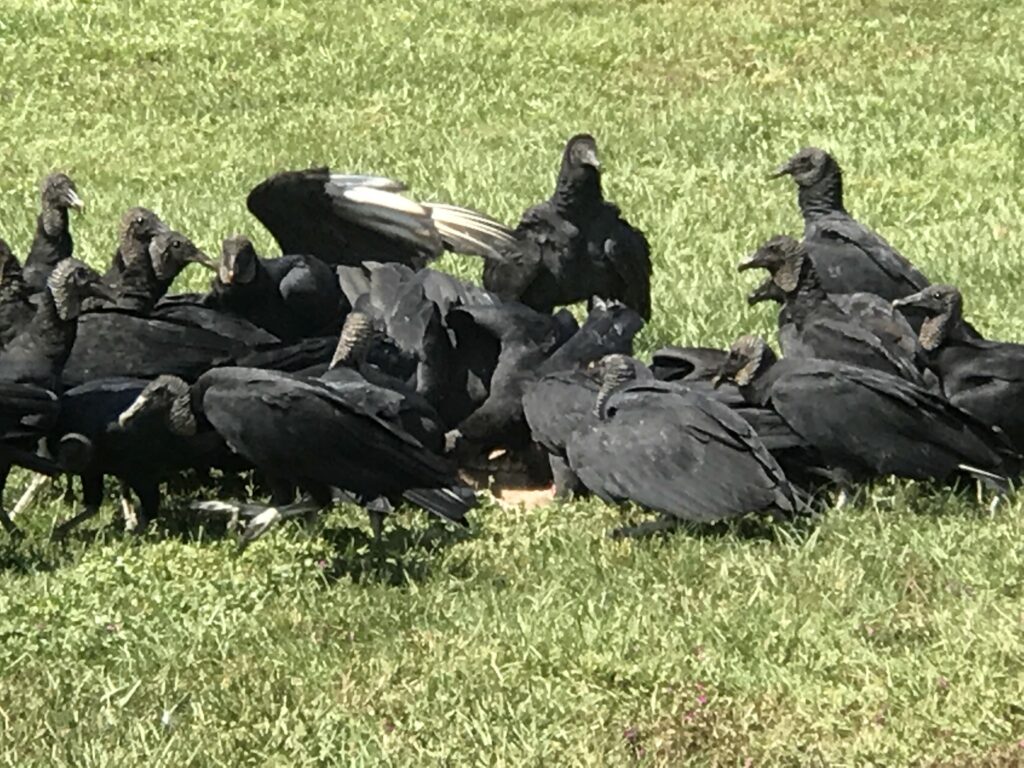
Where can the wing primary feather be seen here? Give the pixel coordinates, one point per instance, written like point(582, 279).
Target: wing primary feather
point(364, 180)
point(468, 232)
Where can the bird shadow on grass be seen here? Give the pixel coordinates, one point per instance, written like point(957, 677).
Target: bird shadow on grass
point(401, 556)
point(748, 528)
point(27, 556)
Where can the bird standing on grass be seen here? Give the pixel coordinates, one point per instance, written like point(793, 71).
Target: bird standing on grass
point(31, 368)
point(318, 437)
point(675, 452)
point(848, 256)
point(574, 246)
point(867, 422)
point(812, 325)
point(293, 297)
point(985, 378)
point(52, 242)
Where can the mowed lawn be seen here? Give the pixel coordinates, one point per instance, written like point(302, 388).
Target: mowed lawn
point(890, 632)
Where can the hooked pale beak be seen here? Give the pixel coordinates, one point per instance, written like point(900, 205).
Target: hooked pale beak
point(130, 413)
point(755, 260)
point(72, 200)
point(590, 158)
point(198, 257)
point(226, 275)
point(783, 170)
point(920, 300)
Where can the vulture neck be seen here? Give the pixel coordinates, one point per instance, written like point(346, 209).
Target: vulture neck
point(823, 197)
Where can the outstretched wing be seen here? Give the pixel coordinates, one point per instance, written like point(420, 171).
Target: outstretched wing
point(345, 219)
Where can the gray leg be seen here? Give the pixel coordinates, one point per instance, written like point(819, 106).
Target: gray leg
point(34, 487)
point(131, 520)
point(68, 525)
point(266, 520)
point(5, 520)
point(376, 524)
point(567, 484)
point(378, 509)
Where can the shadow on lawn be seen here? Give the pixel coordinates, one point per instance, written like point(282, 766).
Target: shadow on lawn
point(402, 555)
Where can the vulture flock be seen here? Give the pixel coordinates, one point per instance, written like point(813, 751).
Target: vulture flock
point(349, 369)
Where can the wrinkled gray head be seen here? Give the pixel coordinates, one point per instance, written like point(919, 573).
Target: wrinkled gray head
point(942, 306)
point(169, 396)
point(70, 282)
point(137, 229)
point(581, 152)
point(616, 371)
point(170, 252)
point(934, 300)
point(355, 339)
point(749, 357)
point(808, 166)
point(784, 257)
point(57, 191)
point(238, 261)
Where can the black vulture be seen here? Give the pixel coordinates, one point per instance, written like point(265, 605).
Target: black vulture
point(376, 287)
point(318, 437)
point(39, 353)
point(293, 297)
point(89, 441)
point(16, 307)
point(412, 307)
point(478, 332)
point(112, 343)
point(867, 422)
point(346, 219)
point(676, 452)
point(811, 325)
point(31, 368)
point(848, 256)
point(574, 246)
point(874, 312)
point(197, 313)
point(523, 338)
point(531, 346)
point(136, 230)
point(145, 280)
point(352, 352)
point(609, 328)
point(556, 406)
point(389, 397)
point(985, 378)
point(52, 241)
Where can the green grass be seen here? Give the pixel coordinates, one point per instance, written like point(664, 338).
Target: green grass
point(892, 633)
